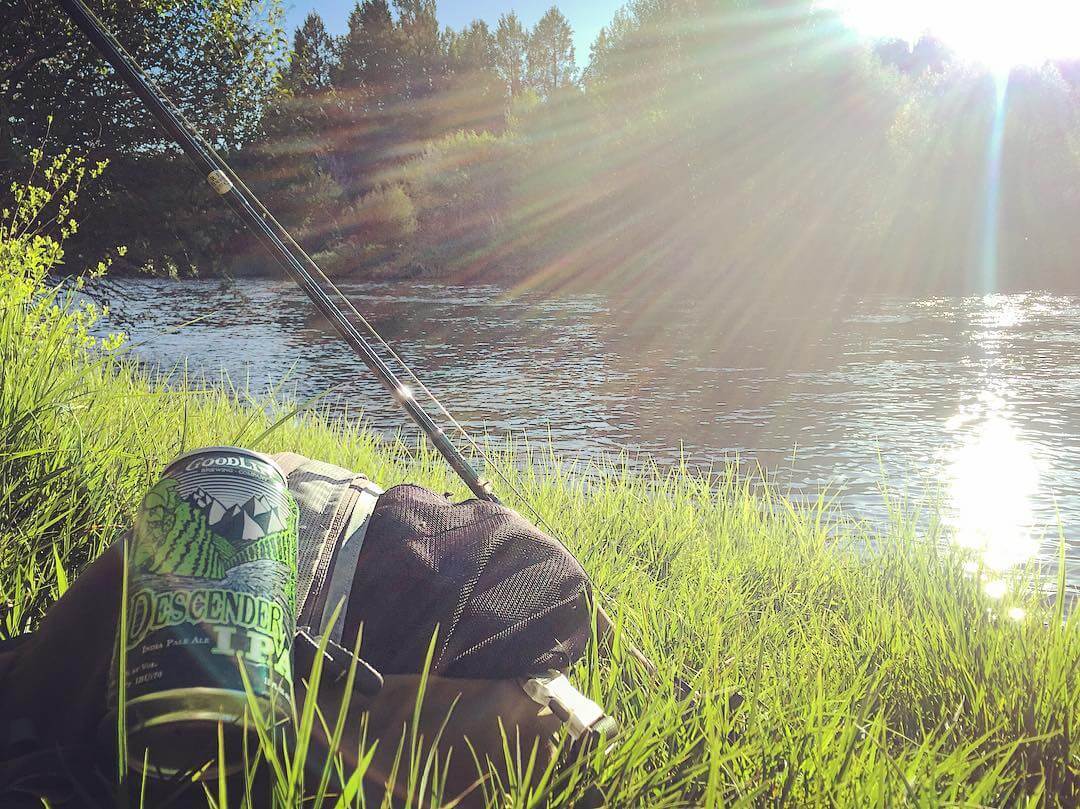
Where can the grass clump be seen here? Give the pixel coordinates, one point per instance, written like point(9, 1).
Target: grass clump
point(823, 673)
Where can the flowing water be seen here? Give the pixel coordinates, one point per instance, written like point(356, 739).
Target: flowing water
point(968, 404)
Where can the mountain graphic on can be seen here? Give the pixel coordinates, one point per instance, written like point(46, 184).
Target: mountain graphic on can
point(211, 590)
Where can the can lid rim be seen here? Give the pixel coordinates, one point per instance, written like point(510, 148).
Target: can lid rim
point(236, 450)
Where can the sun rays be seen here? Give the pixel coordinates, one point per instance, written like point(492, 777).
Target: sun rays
point(997, 33)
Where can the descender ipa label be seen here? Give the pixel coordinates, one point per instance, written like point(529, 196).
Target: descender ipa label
point(211, 589)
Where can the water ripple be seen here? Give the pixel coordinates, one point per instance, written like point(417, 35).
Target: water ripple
point(974, 401)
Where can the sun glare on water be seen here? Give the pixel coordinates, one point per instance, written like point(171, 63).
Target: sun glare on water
point(997, 33)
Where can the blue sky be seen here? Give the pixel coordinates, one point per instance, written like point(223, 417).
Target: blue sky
point(586, 17)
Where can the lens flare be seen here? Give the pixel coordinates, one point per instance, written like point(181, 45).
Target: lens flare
point(997, 33)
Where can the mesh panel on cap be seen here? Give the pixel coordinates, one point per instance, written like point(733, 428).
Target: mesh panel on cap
point(508, 600)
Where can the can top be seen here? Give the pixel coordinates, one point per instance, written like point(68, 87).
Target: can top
point(232, 451)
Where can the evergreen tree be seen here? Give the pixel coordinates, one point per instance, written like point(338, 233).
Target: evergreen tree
point(368, 105)
point(476, 97)
point(371, 51)
point(599, 53)
point(551, 53)
point(351, 49)
point(473, 48)
point(423, 53)
point(511, 53)
point(312, 57)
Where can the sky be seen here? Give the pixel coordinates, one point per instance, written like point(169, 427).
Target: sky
point(586, 17)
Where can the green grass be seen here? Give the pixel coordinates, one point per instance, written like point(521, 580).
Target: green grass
point(873, 670)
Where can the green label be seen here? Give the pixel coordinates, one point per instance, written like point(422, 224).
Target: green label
point(255, 628)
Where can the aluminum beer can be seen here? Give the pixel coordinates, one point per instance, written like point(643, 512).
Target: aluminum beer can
point(211, 590)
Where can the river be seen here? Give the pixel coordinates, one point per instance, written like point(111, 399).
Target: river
point(967, 406)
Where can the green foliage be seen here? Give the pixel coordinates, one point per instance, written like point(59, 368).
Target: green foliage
point(33, 226)
point(551, 53)
point(218, 60)
point(385, 216)
point(46, 348)
point(706, 144)
point(370, 51)
point(312, 57)
point(462, 185)
point(511, 53)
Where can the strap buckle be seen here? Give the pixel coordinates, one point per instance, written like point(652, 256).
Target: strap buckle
point(581, 715)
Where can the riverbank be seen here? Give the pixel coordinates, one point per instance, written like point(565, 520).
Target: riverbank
point(831, 666)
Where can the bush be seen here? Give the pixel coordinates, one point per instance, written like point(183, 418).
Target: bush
point(32, 229)
point(385, 216)
point(462, 185)
point(53, 490)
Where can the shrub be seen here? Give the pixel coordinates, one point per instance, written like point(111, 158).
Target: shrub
point(33, 226)
point(50, 480)
point(385, 216)
point(461, 185)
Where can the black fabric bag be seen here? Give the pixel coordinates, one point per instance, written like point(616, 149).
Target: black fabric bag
point(508, 601)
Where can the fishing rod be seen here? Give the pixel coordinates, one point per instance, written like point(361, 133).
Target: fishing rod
point(305, 272)
point(273, 236)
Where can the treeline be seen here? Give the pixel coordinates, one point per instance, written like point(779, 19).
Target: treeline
point(386, 138)
point(706, 147)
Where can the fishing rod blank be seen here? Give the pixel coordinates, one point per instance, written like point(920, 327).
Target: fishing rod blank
point(299, 266)
point(289, 255)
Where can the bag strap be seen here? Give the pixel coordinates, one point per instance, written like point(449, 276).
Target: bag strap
point(338, 582)
point(335, 509)
point(335, 504)
point(290, 461)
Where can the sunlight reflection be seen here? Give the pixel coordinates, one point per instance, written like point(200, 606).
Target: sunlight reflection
point(993, 478)
point(1002, 311)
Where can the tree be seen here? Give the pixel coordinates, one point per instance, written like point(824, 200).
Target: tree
point(598, 54)
point(473, 48)
point(551, 53)
point(476, 96)
point(312, 57)
point(370, 85)
point(371, 51)
point(511, 53)
point(926, 55)
point(218, 60)
point(423, 52)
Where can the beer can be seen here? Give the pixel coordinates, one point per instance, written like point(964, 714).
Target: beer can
point(211, 591)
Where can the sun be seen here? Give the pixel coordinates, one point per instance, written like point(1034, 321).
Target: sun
point(999, 34)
